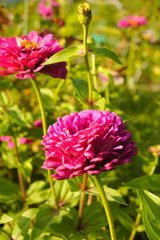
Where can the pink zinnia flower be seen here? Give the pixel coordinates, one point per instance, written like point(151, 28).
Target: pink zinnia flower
point(7, 139)
point(24, 140)
point(90, 141)
point(25, 55)
point(45, 8)
point(132, 21)
point(38, 123)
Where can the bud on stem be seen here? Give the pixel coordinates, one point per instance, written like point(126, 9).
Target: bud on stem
point(84, 13)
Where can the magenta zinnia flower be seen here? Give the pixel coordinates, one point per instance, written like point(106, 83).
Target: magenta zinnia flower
point(132, 21)
point(25, 55)
point(45, 8)
point(90, 141)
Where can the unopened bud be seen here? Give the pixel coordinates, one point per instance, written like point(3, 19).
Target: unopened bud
point(84, 13)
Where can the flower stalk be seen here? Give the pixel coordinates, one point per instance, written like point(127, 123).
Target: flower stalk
point(99, 185)
point(26, 8)
point(44, 123)
point(20, 177)
point(82, 199)
point(84, 17)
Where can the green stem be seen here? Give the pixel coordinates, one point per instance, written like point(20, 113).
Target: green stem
point(81, 204)
point(106, 206)
point(6, 234)
point(94, 73)
point(130, 80)
point(60, 84)
point(154, 164)
point(20, 177)
point(85, 32)
point(44, 123)
point(133, 233)
point(26, 7)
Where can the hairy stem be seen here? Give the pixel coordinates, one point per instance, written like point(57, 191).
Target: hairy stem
point(106, 206)
point(90, 85)
point(82, 199)
point(44, 123)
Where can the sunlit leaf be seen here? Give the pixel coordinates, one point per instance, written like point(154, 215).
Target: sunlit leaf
point(150, 213)
point(104, 52)
point(23, 224)
point(145, 182)
point(65, 55)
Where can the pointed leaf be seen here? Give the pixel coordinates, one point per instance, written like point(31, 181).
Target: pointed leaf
point(45, 216)
point(104, 52)
point(23, 224)
point(150, 213)
point(145, 182)
point(65, 55)
point(5, 219)
point(111, 194)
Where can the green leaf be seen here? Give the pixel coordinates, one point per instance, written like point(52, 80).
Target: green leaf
point(64, 196)
point(145, 182)
point(65, 55)
point(111, 194)
point(104, 52)
point(22, 226)
point(94, 217)
point(81, 89)
point(9, 191)
point(150, 213)
point(17, 116)
point(5, 219)
point(37, 192)
point(125, 220)
point(101, 103)
point(65, 228)
point(47, 98)
point(5, 84)
point(45, 216)
point(74, 183)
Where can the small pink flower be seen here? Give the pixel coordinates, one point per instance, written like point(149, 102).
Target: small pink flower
point(24, 140)
point(132, 21)
point(24, 56)
point(5, 138)
point(90, 142)
point(38, 123)
point(45, 8)
point(11, 144)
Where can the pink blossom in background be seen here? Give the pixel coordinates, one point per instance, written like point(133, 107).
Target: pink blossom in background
point(45, 8)
point(25, 55)
point(24, 140)
point(132, 21)
point(90, 141)
point(38, 123)
point(11, 144)
point(7, 139)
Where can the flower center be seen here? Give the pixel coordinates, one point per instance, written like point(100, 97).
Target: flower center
point(28, 44)
point(132, 21)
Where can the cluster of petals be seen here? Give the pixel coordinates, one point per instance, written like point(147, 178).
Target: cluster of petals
point(132, 21)
point(90, 141)
point(38, 123)
point(24, 56)
point(8, 139)
point(45, 8)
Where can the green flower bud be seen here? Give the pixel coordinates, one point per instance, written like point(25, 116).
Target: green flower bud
point(84, 13)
